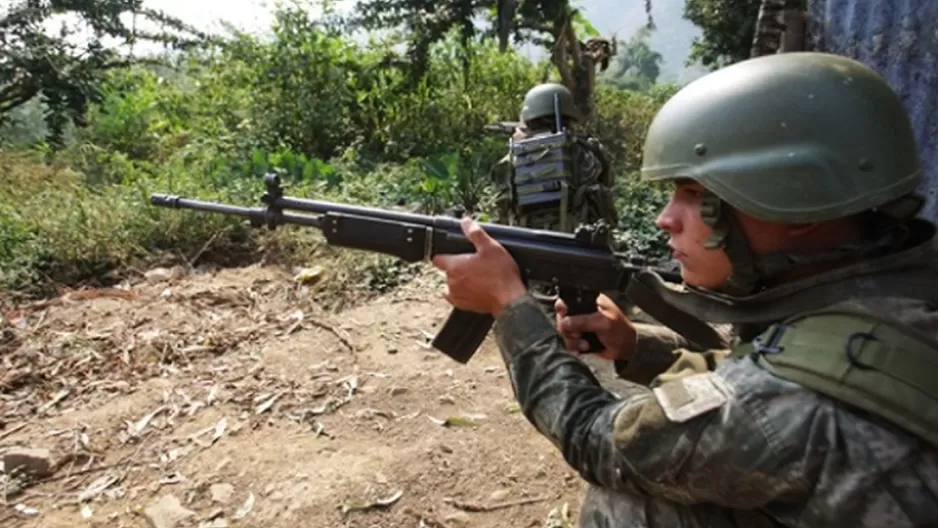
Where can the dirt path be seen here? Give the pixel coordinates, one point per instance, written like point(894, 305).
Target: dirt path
point(231, 399)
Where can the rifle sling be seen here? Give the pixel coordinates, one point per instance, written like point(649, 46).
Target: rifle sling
point(692, 328)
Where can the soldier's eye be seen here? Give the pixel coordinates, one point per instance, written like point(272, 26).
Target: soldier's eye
point(690, 192)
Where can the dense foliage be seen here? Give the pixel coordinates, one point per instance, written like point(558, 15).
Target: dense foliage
point(338, 119)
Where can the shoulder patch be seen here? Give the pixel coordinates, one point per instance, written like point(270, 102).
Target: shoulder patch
point(691, 396)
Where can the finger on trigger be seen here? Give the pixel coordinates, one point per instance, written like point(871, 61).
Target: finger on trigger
point(560, 307)
point(444, 262)
point(577, 323)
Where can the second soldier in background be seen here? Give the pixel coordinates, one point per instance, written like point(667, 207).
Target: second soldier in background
point(554, 177)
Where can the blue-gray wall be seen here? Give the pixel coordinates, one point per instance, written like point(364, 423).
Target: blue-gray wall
point(899, 39)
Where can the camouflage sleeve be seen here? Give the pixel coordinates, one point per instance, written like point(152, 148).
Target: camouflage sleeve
point(659, 350)
point(602, 154)
point(654, 353)
point(693, 439)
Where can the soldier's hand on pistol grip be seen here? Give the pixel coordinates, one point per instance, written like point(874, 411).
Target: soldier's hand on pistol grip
point(612, 327)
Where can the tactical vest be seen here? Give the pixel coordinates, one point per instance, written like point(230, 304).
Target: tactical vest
point(882, 367)
point(549, 188)
point(542, 171)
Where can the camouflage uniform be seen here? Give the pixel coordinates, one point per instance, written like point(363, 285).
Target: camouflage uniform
point(713, 438)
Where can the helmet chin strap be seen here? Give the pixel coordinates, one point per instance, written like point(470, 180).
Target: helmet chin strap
point(751, 273)
point(728, 236)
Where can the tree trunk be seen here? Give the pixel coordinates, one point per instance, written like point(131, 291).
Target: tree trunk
point(577, 62)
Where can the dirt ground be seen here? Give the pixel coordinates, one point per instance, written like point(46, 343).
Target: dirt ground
point(230, 398)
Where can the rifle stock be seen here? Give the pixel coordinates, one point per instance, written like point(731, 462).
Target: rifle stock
point(582, 265)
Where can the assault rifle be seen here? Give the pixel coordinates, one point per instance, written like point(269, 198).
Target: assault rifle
point(503, 127)
point(580, 264)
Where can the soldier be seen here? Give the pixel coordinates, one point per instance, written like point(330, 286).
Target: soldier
point(552, 177)
point(793, 214)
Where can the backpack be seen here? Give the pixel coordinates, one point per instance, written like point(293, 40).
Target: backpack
point(560, 181)
point(882, 367)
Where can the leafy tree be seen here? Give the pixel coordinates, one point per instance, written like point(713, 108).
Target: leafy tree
point(421, 23)
point(728, 28)
point(636, 66)
point(557, 25)
point(58, 67)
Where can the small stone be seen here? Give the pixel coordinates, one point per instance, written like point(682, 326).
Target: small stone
point(397, 391)
point(166, 512)
point(156, 275)
point(34, 462)
point(459, 519)
point(221, 492)
point(499, 495)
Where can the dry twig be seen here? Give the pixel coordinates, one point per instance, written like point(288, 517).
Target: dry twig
point(474, 507)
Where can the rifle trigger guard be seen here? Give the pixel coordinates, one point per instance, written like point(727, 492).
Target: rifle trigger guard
point(428, 243)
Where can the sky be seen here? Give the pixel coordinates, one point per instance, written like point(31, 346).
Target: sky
point(619, 17)
point(252, 16)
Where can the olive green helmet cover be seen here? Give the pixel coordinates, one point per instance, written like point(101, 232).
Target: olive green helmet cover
point(793, 137)
point(790, 138)
point(539, 102)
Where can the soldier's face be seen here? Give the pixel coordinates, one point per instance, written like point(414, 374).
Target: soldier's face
point(680, 218)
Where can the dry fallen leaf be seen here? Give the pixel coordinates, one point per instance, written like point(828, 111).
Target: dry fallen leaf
point(367, 505)
point(219, 430)
point(28, 511)
point(559, 517)
point(310, 276)
point(453, 421)
point(245, 508)
point(265, 406)
point(135, 428)
point(59, 396)
point(97, 487)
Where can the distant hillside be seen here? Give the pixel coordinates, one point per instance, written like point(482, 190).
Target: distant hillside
point(672, 37)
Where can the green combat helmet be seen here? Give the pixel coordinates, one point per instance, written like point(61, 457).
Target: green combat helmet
point(539, 103)
point(791, 138)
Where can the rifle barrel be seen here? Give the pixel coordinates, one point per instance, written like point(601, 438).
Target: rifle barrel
point(257, 215)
